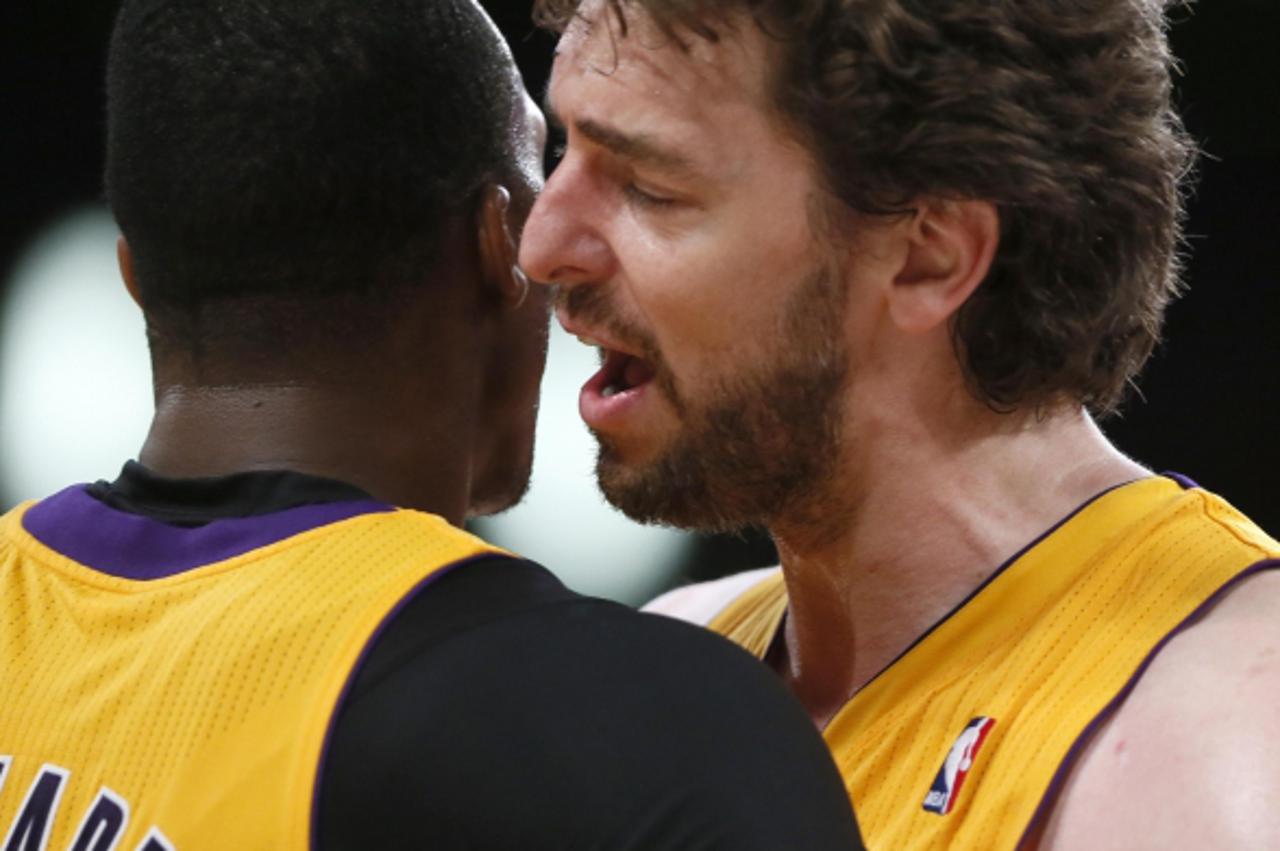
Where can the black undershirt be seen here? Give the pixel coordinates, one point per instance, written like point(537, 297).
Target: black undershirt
point(499, 710)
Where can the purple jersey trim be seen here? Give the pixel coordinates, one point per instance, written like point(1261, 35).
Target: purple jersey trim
point(1090, 729)
point(1185, 481)
point(355, 669)
point(130, 546)
point(992, 578)
point(1180, 479)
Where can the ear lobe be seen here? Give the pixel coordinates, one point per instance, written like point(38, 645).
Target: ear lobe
point(951, 245)
point(498, 248)
point(124, 257)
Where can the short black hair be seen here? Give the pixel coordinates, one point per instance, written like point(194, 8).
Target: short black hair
point(268, 151)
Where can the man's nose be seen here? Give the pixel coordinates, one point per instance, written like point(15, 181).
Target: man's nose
point(563, 243)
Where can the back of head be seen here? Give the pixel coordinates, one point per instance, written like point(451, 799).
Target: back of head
point(272, 164)
point(1059, 113)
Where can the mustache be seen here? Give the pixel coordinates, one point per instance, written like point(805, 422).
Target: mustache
point(592, 305)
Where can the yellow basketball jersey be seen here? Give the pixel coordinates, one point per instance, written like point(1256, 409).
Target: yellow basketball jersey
point(151, 704)
point(962, 741)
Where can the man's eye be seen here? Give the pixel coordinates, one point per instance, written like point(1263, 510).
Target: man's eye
point(636, 195)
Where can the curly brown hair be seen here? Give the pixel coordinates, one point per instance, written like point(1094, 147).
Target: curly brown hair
point(1058, 112)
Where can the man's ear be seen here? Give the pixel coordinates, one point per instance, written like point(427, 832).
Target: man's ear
point(498, 248)
point(951, 245)
point(125, 258)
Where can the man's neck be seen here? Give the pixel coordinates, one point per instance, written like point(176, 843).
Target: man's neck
point(400, 456)
point(933, 521)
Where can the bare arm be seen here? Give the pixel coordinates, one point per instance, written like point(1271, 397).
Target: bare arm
point(1192, 758)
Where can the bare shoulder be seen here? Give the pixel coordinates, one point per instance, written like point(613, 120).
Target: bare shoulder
point(1192, 758)
point(700, 603)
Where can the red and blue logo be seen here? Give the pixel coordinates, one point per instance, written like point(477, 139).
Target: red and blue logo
point(946, 786)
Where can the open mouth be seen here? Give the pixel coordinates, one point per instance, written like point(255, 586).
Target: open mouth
point(621, 372)
point(615, 394)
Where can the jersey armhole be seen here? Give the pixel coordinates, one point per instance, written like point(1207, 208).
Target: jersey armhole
point(702, 603)
point(1040, 816)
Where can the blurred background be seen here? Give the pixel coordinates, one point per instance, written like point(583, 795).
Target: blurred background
point(75, 394)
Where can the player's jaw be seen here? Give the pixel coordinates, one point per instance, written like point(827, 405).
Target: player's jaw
point(752, 440)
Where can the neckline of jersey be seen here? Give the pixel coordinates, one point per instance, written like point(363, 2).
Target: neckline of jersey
point(1183, 482)
point(117, 543)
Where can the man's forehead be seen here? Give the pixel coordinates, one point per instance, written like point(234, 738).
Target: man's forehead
point(703, 111)
point(596, 43)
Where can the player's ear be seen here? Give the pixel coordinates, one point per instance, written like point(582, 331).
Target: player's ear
point(951, 245)
point(124, 256)
point(499, 251)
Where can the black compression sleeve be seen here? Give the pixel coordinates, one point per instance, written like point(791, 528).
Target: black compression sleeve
point(500, 711)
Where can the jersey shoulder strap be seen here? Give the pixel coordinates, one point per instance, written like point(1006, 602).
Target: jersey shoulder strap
point(752, 619)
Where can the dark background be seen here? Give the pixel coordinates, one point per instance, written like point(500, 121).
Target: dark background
point(1208, 400)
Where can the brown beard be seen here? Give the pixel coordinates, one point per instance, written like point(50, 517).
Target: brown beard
point(758, 445)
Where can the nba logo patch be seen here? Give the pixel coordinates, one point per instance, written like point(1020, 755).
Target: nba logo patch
point(946, 786)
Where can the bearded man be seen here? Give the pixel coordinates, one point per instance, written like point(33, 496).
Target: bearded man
point(866, 273)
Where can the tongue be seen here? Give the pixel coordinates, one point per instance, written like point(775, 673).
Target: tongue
point(636, 372)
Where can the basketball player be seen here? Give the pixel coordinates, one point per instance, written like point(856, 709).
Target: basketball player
point(270, 632)
point(864, 273)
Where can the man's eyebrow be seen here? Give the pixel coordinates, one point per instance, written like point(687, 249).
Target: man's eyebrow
point(638, 147)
